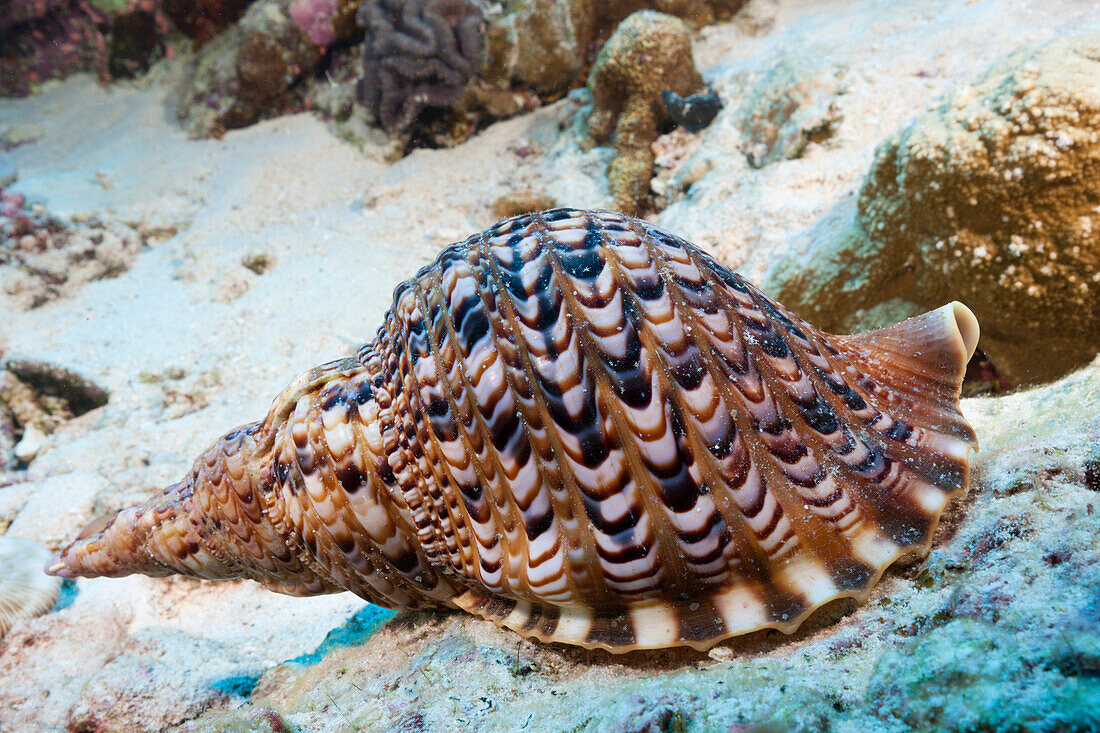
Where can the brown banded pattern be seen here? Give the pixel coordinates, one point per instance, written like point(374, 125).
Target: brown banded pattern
point(586, 430)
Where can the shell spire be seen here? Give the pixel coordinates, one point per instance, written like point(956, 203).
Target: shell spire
point(586, 430)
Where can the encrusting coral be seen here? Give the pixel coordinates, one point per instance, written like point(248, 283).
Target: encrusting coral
point(25, 592)
point(991, 196)
point(648, 53)
point(417, 54)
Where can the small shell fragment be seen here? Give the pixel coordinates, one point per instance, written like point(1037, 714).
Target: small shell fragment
point(25, 591)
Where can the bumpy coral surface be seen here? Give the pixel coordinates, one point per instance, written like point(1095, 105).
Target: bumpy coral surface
point(648, 53)
point(417, 54)
point(992, 196)
point(547, 44)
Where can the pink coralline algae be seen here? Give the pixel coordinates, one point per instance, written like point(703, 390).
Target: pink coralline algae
point(314, 17)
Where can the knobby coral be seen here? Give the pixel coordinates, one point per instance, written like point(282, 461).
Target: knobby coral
point(417, 54)
point(648, 53)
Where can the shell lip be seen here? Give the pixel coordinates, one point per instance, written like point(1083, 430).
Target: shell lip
point(967, 324)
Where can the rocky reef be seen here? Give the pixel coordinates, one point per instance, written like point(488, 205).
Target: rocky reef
point(44, 40)
point(991, 196)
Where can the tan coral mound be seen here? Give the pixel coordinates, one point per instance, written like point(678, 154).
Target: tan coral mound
point(648, 52)
point(992, 197)
point(25, 591)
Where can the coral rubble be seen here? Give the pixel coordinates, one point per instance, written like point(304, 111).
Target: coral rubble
point(648, 53)
point(47, 257)
point(992, 197)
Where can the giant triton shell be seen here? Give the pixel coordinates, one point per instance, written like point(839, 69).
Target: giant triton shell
point(586, 430)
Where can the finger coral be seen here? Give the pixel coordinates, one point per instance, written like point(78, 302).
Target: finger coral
point(417, 54)
point(648, 53)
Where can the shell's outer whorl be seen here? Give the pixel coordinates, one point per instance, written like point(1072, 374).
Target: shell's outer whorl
point(586, 430)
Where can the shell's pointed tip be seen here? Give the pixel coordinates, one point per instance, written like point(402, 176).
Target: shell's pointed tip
point(58, 568)
point(967, 323)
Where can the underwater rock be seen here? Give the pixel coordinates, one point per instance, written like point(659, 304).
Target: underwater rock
point(694, 112)
point(991, 196)
point(42, 40)
point(546, 45)
point(649, 52)
point(788, 108)
point(36, 397)
point(243, 74)
point(417, 54)
point(24, 591)
point(137, 38)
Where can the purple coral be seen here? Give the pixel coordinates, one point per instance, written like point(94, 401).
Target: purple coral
point(314, 17)
point(48, 39)
point(418, 54)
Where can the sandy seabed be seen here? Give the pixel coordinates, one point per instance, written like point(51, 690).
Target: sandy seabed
point(191, 342)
